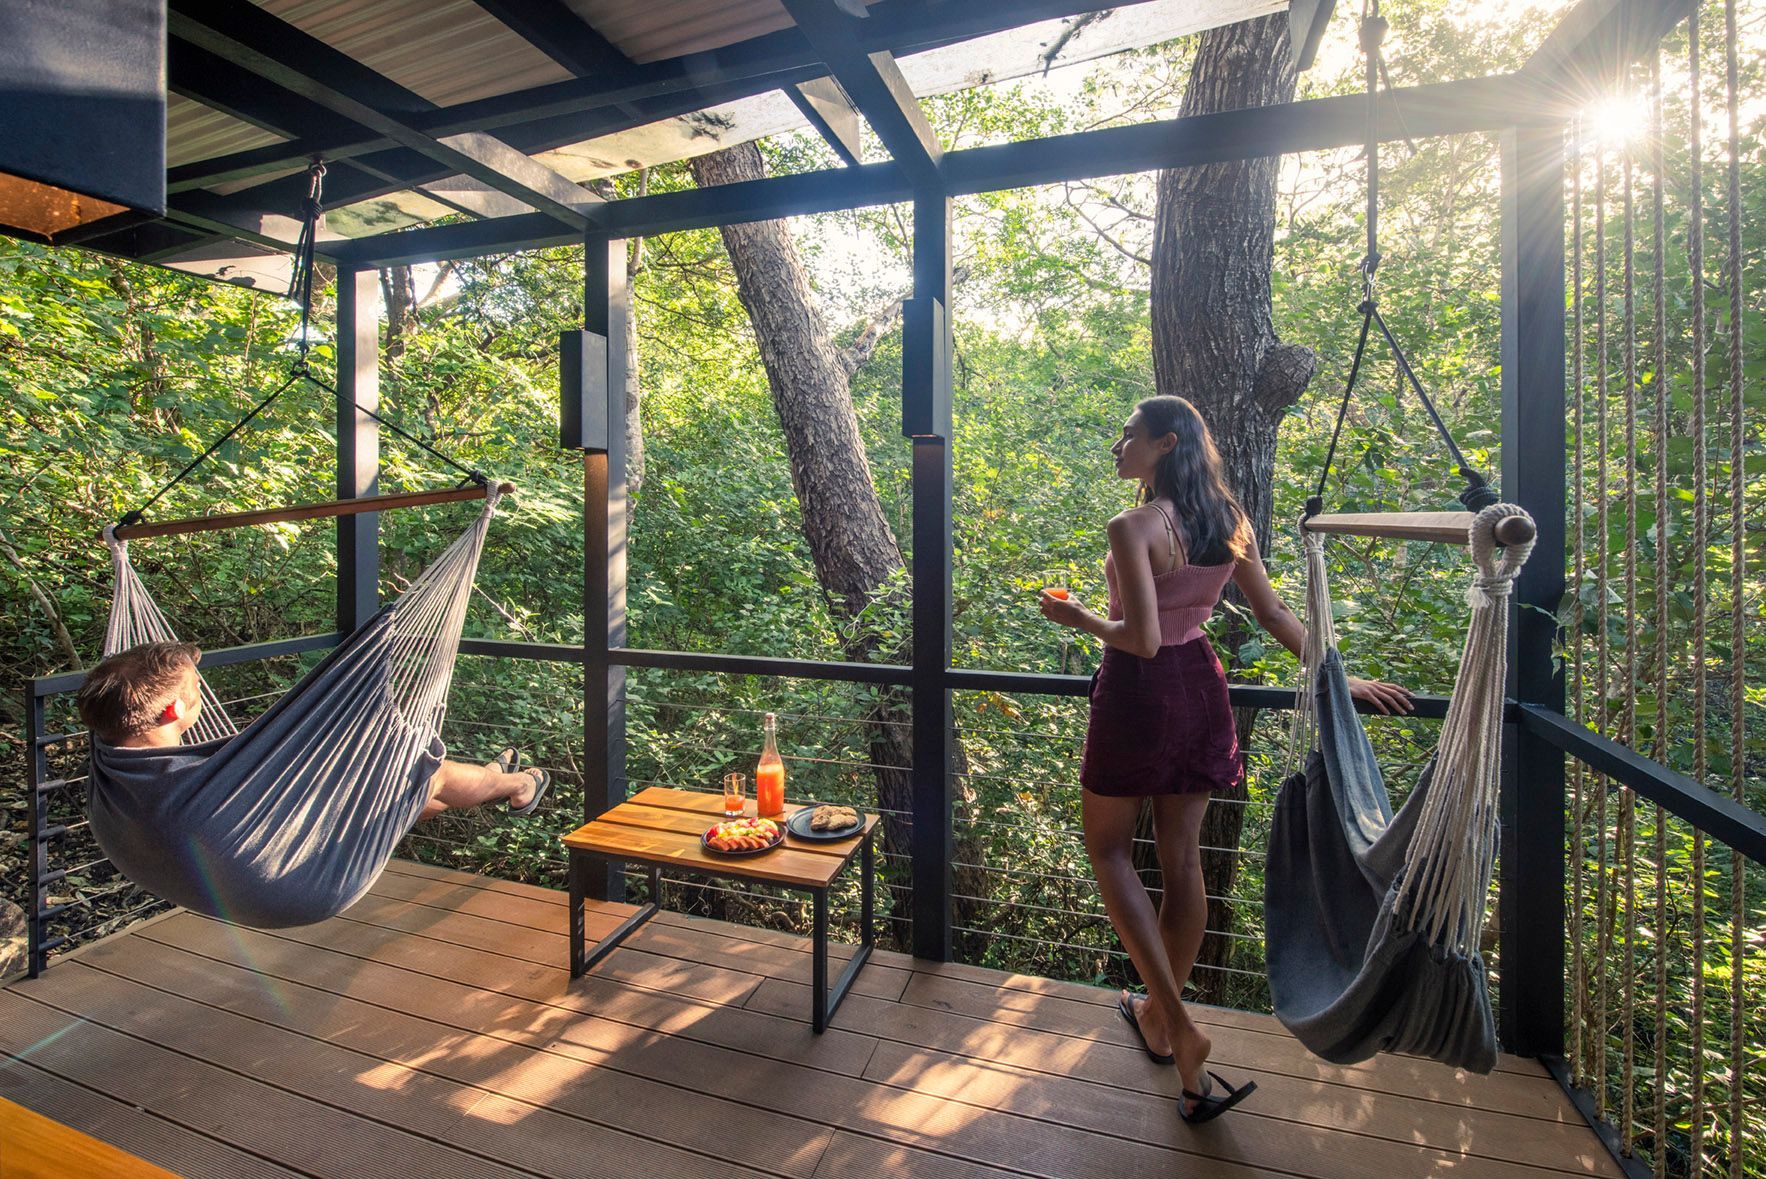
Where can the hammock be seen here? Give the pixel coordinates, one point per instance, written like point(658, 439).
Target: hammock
point(1373, 918)
point(290, 821)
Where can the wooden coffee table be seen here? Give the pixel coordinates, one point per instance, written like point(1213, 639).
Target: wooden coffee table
point(660, 828)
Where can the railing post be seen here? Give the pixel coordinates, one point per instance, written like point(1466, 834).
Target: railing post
point(358, 445)
point(37, 763)
point(1533, 439)
point(926, 418)
point(594, 408)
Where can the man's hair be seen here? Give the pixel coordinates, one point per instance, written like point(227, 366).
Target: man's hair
point(126, 694)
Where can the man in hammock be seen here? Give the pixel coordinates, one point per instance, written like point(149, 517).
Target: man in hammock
point(147, 697)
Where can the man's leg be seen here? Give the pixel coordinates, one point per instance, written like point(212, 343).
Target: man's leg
point(457, 785)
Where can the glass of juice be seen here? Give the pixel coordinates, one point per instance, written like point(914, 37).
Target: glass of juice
point(735, 786)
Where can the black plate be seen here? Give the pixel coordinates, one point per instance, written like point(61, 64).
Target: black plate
point(798, 825)
point(750, 851)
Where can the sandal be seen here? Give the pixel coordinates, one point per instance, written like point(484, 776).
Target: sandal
point(541, 781)
point(508, 761)
point(1208, 1107)
point(1126, 1010)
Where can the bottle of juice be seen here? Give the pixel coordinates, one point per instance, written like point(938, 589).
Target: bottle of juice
point(769, 776)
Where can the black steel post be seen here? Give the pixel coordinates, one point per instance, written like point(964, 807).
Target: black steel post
point(37, 759)
point(926, 420)
point(604, 541)
point(1533, 439)
point(358, 445)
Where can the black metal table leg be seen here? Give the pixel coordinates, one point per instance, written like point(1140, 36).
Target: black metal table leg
point(581, 963)
point(577, 965)
point(827, 1003)
point(819, 959)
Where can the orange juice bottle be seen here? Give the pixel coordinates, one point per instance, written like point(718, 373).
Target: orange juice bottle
point(769, 776)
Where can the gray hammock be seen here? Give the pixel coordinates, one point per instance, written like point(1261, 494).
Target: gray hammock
point(290, 821)
point(1373, 918)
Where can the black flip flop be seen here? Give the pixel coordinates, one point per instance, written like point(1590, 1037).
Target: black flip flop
point(542, 780)
point(1208, 1106)
point(1126, 1011)
point(508, 761)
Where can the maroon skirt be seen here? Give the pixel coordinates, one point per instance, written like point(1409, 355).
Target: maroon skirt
point(1160, 726)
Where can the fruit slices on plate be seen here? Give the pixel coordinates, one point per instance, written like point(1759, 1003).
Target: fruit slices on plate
point(743, 835)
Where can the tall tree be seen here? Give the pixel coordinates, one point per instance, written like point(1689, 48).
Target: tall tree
point(851, 544)
point(1214, 343)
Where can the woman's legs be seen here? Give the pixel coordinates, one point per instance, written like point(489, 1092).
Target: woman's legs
point(1109, 841)
point(457, 785)
point(1183, 911)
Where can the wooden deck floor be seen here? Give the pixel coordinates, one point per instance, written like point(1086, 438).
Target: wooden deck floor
point(433, 1032)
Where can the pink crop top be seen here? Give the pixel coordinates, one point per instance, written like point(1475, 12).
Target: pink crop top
point(1186, 596)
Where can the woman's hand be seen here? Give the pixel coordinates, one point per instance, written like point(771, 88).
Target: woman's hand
point(1063, 610)
point(1384, 698)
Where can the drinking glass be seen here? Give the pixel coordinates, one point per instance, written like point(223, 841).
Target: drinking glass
point(735, 785)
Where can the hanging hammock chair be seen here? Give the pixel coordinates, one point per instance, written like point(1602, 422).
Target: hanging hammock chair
point(1373, 917)
point(291, 820)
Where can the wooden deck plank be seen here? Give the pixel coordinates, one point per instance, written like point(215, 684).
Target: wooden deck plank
point(145, 1135)
point(1109, 1056)
point(478, 990)
point(547, 944)
point(876, 1109)
point(442, 1012)
point(524, 1073)
point(1147, 1116)
point(305, 1135)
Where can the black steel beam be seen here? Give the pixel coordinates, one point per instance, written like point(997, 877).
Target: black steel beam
point(1711, 811)
point(1481, 104)
point(874, 83)
point(1533, 410)
point(1412, 112)
point(358, 445)
point(539, 118)
point(269, 47)
point(831, 113)
point(555, 30)
point(1585, 55)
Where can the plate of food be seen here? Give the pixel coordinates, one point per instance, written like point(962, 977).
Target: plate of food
point(743, 837)
point(826, 822)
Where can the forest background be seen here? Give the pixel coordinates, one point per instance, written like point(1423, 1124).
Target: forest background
point(112, 375)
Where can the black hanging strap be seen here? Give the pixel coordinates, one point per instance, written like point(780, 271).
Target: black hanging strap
point(1478, 493)
point(300, 288)
point(300, 280)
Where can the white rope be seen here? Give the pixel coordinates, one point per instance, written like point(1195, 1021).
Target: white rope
point(1447, 867)
point(380, 719)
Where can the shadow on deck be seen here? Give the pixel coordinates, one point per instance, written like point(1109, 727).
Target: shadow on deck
point(433, 1031)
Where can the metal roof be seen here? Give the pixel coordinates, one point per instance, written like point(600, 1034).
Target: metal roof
point(393, 92)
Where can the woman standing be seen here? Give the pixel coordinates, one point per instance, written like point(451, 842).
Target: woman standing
point(1161, 727)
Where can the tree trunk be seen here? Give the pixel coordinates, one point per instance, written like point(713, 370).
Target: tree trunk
point(850, 541)
point(1214, 343)
point(399, 290)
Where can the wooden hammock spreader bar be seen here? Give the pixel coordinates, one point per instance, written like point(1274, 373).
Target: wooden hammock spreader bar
point(337, 507)
point(1436, 527)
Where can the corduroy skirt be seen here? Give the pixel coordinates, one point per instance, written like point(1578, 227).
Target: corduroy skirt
point(1160, 726)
